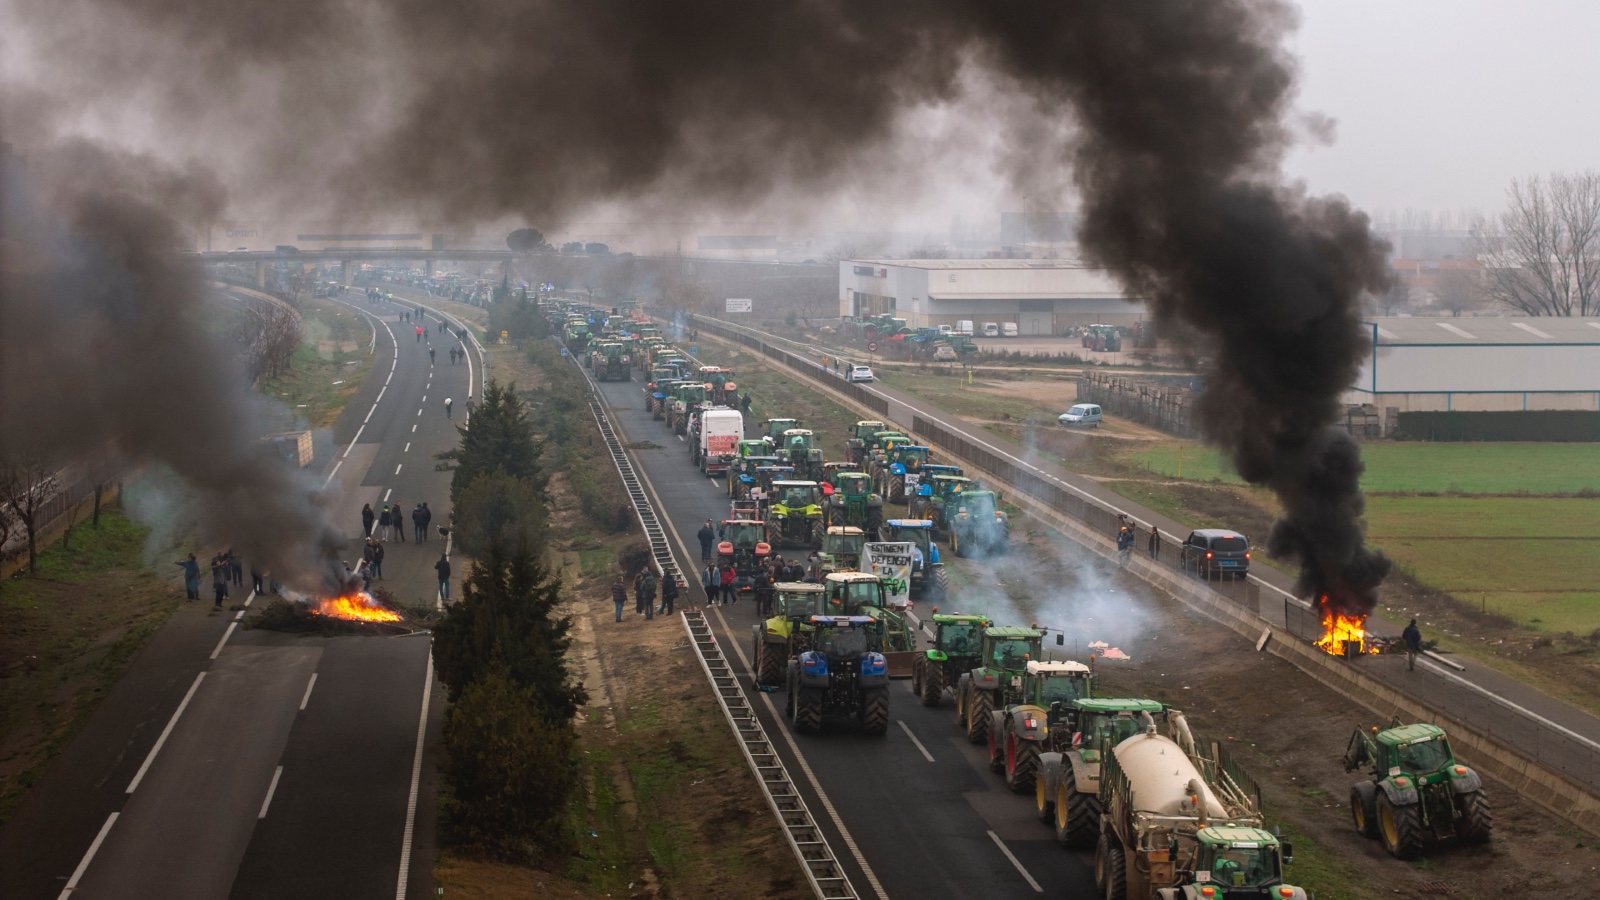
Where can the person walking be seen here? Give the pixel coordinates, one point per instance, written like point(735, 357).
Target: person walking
point(443, 568)
point(219, 578)
point(1155, 542)
point(430, 356)
point(447, 407)
point(707, 538)
point(397, 516)
point(419, 334)
point(619, 595)
point(367, 518)
point(669, 594)
point(470, 407)
point(711, 580)
point(385, 518)
point(427, 519)
point(1413, 638)
point(191, 576)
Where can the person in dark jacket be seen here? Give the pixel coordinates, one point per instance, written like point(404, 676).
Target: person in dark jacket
point(377, 560)
point(235, 569)
point(711, 580)
point(427, 519)
point(219, 577)
point(1155, 542)
point(398, 513)
point(1413, 638)
point(367, 518)
point(443, 568)
point(191, 576)
point(385, 521)
point(764, 583)
point(619, 595)
point(1125, 544)
point(647, 587)
point(416, 521)
point(708, 539)
point(669, 594)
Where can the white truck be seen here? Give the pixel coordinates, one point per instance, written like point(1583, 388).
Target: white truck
point(717, 441)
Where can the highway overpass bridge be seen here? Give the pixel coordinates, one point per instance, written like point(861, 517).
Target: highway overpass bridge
point(261, 259)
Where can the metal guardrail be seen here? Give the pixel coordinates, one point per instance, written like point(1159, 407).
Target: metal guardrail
point(810, 846)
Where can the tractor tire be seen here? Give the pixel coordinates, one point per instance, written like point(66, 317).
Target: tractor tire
point(808, 710)
point(1022, 764)
point(818, 532)
point(874, 519)
point(955, 543)
point(1477, 819)
point(938, 585)
point(932, 685)
point(1400, 828)
point(875, 710)
point(979, 705)
point(694, 456)
point(1044, 800)
point(997, 755)
point(769, 664)
point(961, 702)
point(1110, 875)
point(896, 492)
point(1364, 809)
point(1077, 817)
point(917, 665)
point(789, 691)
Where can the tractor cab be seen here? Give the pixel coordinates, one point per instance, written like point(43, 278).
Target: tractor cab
point(926, 472)
point(737, 536)
point(859, 436)
point(828, 477)
point(1008, 649)
point(1055, 684)
point(1104, 723)
point(795, 494)
point(850, 592)
point(749, 448)
point(1236, 861)
point(1421, 751)
point(772, 429)
point(855, 503)
point(918, 533)
point(959, 634)
point(842, 548)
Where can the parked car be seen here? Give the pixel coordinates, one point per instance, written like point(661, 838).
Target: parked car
point(1215, 552)
point(991, 329)
point(859, 373)
point(1086, 414)
point(1008, 329)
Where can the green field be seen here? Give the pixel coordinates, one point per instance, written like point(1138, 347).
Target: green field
point(1420, 468)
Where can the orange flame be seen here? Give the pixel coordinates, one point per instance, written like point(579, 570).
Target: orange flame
point(360, 607)
point(1337, 628)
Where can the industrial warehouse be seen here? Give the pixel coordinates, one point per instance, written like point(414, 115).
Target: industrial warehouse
point(1041, 296)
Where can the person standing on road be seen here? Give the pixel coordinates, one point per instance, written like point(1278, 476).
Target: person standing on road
point(397, 516)
point(385, 519)
point(427, 519)
point(447, 404)
point(235, 568)
point(669, 594)
point(1413, 638)
point(419, 334)
point(443, 568)
point(430, 356)
point(619, 595)
point(367, 518)
point(416, 522)
point(258, 581)
point(707, 537)
point(219, 578)
point(377, 560)
point(729, 595)
point(1155, 542)
point(191, 576)
point(711, 580)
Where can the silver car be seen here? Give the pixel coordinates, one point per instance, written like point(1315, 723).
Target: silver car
point(1086, 414)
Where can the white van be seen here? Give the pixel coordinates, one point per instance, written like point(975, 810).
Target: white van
point(1008, 329)
point(945, 330)
point(964, 327)
point(1087, 414)
point(991, 329)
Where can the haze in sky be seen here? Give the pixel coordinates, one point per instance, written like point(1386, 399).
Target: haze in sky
point(1440, 103)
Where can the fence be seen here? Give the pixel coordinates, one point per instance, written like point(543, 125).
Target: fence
point(1165, 408)
point(60, 510)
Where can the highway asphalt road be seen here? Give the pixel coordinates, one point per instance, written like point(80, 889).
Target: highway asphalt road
point(230, 763)
point(920, 806)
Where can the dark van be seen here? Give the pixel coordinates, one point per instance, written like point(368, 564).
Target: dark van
point(1216, 552)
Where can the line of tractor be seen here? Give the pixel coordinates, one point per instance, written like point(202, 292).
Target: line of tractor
point(1167, 813)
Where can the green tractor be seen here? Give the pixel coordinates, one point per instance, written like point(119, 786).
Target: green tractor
point(610, 363)
point(862, 594)
point(794, 514)
point(854, 503)
point(857, 439)
point(929, 580)
point(1415, 789)
point(780, 638)
point(977, 526)
point(957, 641)
point(1067, 787)
point(1019, 733)
point(900, 461)
point(577, 336)
point(687, 397)
point(772, 432)
point(842, 549)
point(843, 675)
point(996, 682)
point(933, 499)
point(799, 447)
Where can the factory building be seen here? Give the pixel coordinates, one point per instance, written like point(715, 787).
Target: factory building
point(1042, 296)
point(1481, 365)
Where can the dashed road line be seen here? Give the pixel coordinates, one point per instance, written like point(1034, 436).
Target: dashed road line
point(271, 789)
point(165, 733)
point(1015, 862)
point(309, 685)
point(907, 728)
point(83, 865)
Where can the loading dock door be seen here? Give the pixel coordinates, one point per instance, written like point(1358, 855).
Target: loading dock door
point(1035, 323)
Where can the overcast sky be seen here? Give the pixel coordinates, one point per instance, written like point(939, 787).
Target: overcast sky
point(1439, 103)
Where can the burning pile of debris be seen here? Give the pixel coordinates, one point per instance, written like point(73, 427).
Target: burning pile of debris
point(350, 612)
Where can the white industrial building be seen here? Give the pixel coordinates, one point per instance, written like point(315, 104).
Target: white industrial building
point(1042, 296)
point(1481, 365)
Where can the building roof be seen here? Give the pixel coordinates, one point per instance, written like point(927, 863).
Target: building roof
point(1484, 331)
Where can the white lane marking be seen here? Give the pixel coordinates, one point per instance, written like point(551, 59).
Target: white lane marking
point(419, 412)
point(386, 494)
point(239, 615)
point(1532, 330)
point(397, 469)
point(413, 429)
point(416, 777)
point(424, 398)
point(1451, 676)
point(165, 733)
point(83, 864)
point(358, 435)
point(1458, 332)
point(271, 789)
point(225, 635)
point(332, 473)
point(408, 448)
point(907, 729)
point(309, 685)
point(680, 437)
point(250, 598)
point(1015, 862)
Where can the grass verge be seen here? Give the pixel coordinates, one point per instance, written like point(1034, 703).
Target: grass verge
point(329, 366)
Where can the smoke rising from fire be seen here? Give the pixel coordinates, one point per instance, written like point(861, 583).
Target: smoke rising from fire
point(1172, 120)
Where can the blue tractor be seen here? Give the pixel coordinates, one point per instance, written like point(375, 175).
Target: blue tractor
point(929, 581)
point(843, 675)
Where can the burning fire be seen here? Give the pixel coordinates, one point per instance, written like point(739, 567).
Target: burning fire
point(360, 607)
point(1337, 628)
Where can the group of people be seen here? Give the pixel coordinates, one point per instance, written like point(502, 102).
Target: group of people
point(227, 571)
point(645, 585)
point(391, 522)
point(1127, 537)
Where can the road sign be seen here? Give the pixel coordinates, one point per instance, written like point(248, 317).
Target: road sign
point(735, 305)
point(872, 346)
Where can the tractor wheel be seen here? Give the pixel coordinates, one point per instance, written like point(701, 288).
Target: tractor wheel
point(955, 543)
point(818, 531)
point(808, 710)
point(789, 690)
point(1077, 814)
point(769, 664)
point(961, 703)
point(997, 756)
point(1400, 828)
point(1364, 809)
point(917, 665)
point(1477, 819)
point(1110, 877)
point(875, 710)
point(1044, 800)
point(874, 519)
point(694, 455)
point(979, 705)
point(932, 684)
point(1022, 763)
point(938, 585)
point(896, 492)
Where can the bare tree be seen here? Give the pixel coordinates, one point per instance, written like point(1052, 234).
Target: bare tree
point(1459, 290)
point(28, 479)
point(1396, 299)
point(1542, 255)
